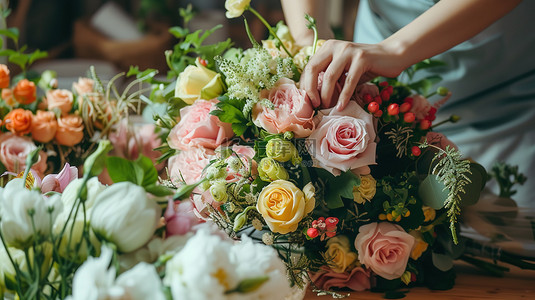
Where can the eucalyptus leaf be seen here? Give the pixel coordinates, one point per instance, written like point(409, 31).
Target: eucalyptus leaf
point(442, 262)
point(433, 192)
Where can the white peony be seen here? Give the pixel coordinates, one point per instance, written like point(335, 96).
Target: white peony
point(125, 216)
point(25, 213)
point(208, 266)
point(95, 281)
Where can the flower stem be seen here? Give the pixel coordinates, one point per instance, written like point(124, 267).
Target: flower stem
point(270, 30)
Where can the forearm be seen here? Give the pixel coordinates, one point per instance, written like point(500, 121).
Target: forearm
point(294, 13)
point(446, 24)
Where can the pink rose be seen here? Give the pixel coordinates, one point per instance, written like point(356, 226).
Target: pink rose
point(201, 201)
point(357, 280)
point(385, 248)
point(58, 182)
point(439, 140)
point(292, 110)
point(14, 150)
point(188, 165)
point(179, 218)
point(343, 140)
point(198, 128)
point(420, 106)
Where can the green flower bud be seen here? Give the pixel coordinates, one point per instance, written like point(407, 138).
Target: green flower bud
point(271, 170)
point(281, 150)
point(288, 135)
point(218, 190)
point(442, 91)
point(241, 219)
point(454, 118)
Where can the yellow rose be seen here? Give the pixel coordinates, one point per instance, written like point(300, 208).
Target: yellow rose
point(366, 190)
point(419, 246)
point(429, 213)
point(270, 170)
point(339, 254)
point(235, 8)
point(198, 82)
point(283, 205)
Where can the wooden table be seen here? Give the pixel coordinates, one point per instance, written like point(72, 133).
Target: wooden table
point(471, 283)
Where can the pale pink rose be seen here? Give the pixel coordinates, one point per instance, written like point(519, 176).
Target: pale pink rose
point(83, 86)
point(188, 165)
point(384, 248)
point(343, 140)
point(58, 182)
point(366, 88)
point(420, 106)
point(336, 92)
point(14, 150)
point(357, 280)
point(245, 154)
point(179, 218)
point(292, 111)
point(198, 128)
point(60, 99)
point(439, 140)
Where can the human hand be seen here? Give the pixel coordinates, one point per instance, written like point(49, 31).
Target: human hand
point(349, 64)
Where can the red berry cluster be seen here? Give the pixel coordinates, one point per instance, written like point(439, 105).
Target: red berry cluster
point(323, 227)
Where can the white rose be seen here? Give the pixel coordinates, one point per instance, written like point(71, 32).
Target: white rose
point(235, 8)
point(16, 203)
point(94, 187)
point(94, 280)
point(125, 216)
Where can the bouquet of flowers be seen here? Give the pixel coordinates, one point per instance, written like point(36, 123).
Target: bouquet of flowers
point(366, 197)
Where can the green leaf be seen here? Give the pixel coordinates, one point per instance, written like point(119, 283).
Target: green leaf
point(19, 59)
point(428, 63)
point(344, 183)
point(229, 114)
point(178, 32)
point(239, 129)
point(158, 190)
point(121, 169)
point(37, 54)
point(12, 33)
point(7, 52)
point(149, 174)
point(423, 86)
point(433, 192)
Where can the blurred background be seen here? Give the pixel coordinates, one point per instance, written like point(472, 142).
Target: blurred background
point(113, 35)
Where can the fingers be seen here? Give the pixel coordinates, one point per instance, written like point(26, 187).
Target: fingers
point(309, 79)
point(330, 79)
point(352, 79)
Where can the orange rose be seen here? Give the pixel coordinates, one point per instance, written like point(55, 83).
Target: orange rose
point(18, 121)
point(60, 99)
point(70, 130)
point(44, 126)
point(83, 86)
point(4, 76)
point(7, 96)
point(24, 92)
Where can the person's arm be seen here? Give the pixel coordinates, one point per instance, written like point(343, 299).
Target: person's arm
point(294, 14)
point(446, 24)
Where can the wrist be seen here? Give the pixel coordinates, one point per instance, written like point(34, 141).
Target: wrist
point(400, 53)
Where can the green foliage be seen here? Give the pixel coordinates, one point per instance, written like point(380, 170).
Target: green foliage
point(337, 187)
point(230, 110)
point(18, 55)
point(507, 176)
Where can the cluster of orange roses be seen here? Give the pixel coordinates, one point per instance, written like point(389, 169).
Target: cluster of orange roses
point(52, 120)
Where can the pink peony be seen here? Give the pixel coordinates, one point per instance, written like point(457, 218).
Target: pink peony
point(13, 152)
point(188, 165)
point(343, 140)
point(197, 128)
point(128, 141)
point(439, 140)
point(357, 280)
point(179, 218)
point(384, 248)
point(58, 182)
point(292, 110)
point(420, 106)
